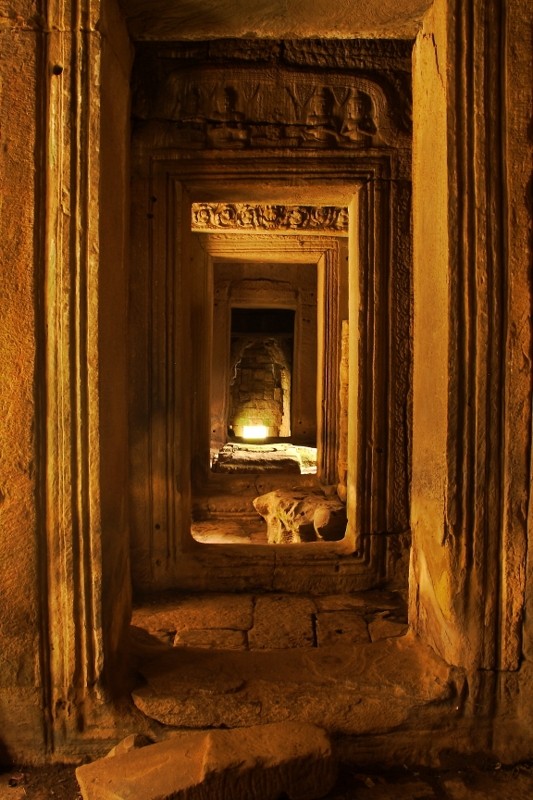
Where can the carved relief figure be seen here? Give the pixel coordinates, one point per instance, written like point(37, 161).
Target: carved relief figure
point(319, 127)
point(227, 129)
point(357, 124)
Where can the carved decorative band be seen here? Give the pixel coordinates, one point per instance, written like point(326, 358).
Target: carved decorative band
point(232, 216)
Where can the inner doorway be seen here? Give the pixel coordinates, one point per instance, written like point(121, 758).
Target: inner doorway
point(264, 365)
point(265, 177)
point(273, 371)
point(261, 373)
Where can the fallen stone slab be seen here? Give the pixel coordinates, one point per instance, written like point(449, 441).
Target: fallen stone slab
point(258, 458)
point(260, 762)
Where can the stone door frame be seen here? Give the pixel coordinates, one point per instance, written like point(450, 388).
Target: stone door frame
point(324, 253)
point(164, 554)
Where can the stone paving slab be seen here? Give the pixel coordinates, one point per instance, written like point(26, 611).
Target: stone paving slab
point(206, 612)
point(282, 621)
point(367, 602)
point(271, 621)
point(341, 626)
point(383, 628)
point(221, 639)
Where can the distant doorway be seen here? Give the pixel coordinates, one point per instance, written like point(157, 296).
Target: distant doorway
point(260, 373)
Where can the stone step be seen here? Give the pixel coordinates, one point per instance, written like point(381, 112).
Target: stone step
point(348, 689)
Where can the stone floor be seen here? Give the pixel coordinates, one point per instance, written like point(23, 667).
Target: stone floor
point(223, 508)
point(231, 529)
point(469, 781)
point(271, 621)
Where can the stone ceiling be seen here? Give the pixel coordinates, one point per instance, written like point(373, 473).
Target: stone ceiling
point(190, 19)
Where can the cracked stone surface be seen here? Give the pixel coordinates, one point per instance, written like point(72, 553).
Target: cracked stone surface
point(281, 621)
point(339, 626)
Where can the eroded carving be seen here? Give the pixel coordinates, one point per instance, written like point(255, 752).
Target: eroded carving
point(231, 216)
point(279, 109)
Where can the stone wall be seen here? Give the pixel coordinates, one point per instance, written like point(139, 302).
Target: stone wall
point(66, 581)
point(260, 389)
point(23, 606)
point(472, 376)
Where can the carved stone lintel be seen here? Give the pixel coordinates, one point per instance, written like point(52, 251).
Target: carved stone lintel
point(235, 216)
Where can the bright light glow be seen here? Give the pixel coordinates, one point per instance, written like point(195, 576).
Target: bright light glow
point(254, 431)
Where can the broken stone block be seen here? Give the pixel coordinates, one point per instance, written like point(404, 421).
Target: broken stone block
point(294, 517)
point(132, 742)
point(259, 762)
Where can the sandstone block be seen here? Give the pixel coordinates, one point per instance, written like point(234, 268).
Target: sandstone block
point(220, 639)
point(132, 742)
point(383, 628)
point(341, 626)
point(260, 762)
point(168, 621)
point(282, 621)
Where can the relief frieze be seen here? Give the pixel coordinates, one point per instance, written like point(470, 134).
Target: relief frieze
point(244, 216)
point(252, 108)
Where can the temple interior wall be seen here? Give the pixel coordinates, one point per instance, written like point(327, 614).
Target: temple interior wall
point(21, 503)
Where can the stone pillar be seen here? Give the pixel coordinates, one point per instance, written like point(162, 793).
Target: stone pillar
point(472, 412)
point(66, 304)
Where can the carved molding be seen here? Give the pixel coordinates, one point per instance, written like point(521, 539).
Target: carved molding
point(244, 216)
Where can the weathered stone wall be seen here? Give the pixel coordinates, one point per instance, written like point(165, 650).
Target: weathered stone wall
point(23, 606)
point(472, 375)
point(65, 586)
point(261, 384)
point(515, 688)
